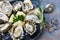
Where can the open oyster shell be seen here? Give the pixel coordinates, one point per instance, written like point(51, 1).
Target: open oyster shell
point(5, 27)
point(5, 7)
point(32, 18)
point(27, 6)
point(3, 18)
point(17, 5)
point(16, 31)
point(30, 28)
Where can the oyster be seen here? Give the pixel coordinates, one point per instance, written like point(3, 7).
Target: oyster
point(49, 8)
point(3, 18)
point(34, 12)
point(5, 27)
point(17, 5)
point(32, 18)
point(5, 7)
point(17, 30)
point(27, 6)
point(30, 28)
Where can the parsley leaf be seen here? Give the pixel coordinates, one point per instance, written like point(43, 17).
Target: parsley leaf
point(17, 18)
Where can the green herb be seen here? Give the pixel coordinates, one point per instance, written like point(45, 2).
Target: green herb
point(17, 18)
point(41, 16)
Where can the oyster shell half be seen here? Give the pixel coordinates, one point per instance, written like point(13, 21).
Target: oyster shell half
point(5, 27)
point(5, 7)
point(27, 6)
point(30, 28)
point(32, 18)
point(17, 5)
point(3, 18)
point(16, 31)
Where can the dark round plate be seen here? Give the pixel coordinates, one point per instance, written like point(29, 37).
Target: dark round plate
point(6, 36)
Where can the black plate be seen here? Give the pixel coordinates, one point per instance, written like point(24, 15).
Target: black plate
point(6, 36)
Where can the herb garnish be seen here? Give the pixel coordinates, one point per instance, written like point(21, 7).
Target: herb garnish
point(41, 16)
point(17, 18)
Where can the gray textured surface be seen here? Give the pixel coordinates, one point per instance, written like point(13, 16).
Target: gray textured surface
point(56, 13)
point(46, 35)
point(50, 36)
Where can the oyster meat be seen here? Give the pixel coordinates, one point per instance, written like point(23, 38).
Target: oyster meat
point(32, 18)
point(5, 27)
point(27, 6)
point(3, 18)
point(30, 28)
point(17, 5)
point(16, 31)
point(5, 7)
